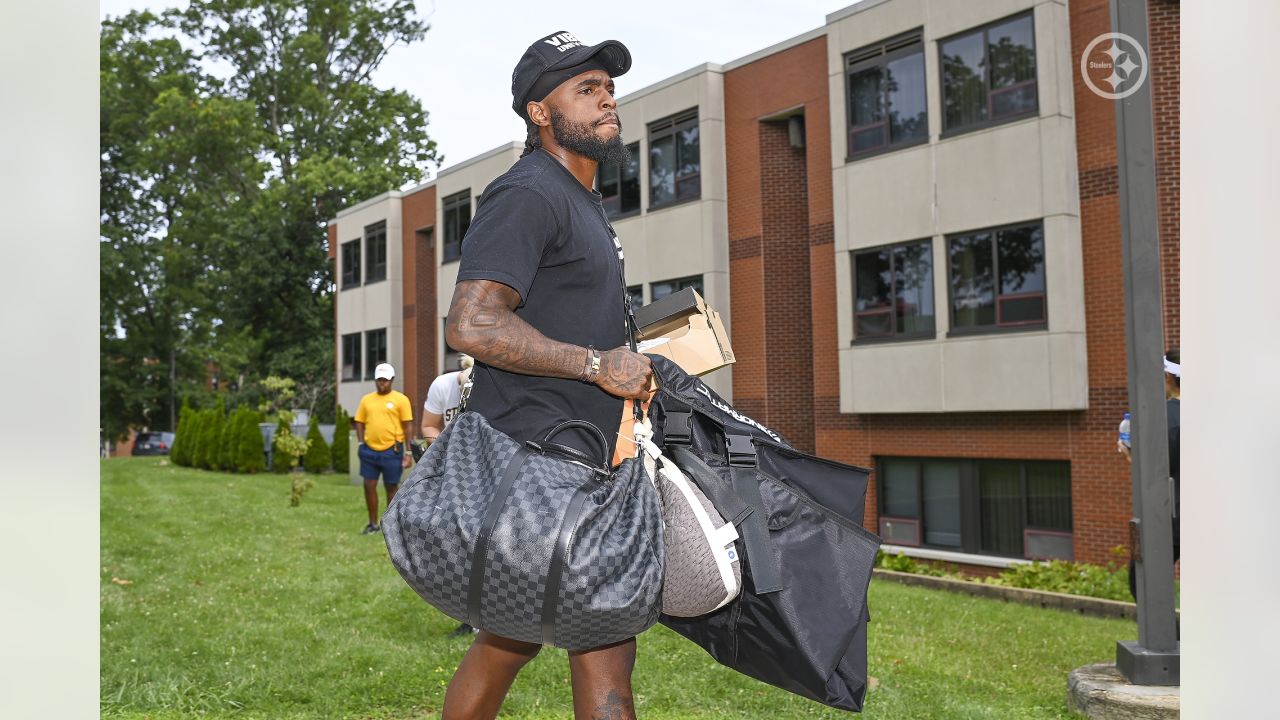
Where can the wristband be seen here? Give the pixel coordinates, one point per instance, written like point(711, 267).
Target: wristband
point(593, 365)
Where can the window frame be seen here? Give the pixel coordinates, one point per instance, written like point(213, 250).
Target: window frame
point(971, 502)
point(881, 54)
point(604, 196)
point(668, 127)
point(371, 234)
point(371, 363)
point(451, 250)
point(349, 274)
point(358, 370)
point(998, 327)
point(893, 318)
point(1034, 111)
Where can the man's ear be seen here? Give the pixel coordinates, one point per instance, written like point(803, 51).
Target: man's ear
point(539, 113)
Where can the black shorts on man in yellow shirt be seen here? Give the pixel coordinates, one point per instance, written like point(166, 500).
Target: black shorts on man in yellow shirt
point(384, 427)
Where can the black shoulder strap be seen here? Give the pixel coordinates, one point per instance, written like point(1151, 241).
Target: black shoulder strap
point(480, 555)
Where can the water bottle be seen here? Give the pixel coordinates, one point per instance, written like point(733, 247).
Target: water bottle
point(1124, 430)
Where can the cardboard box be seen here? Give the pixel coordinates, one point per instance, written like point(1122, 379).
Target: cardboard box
point(683, 328)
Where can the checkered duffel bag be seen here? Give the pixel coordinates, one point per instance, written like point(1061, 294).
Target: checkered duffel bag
point(536, 542)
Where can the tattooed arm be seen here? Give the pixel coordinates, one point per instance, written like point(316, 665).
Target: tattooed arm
point(483, 324)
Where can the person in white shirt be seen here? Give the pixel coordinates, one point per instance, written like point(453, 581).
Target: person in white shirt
point(443, 399)
point(440, 408)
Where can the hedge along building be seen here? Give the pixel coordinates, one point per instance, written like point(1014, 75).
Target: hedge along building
point(933, 291)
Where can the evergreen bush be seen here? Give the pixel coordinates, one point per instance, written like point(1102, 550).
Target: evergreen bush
point(228, 442)
point(340, 452)
point(251, 449)
point(280, 461)
point(195, 436)
point(212, 437)
point(180, 454)
point(318, 456)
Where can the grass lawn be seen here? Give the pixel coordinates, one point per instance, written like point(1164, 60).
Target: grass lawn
point(219, 600)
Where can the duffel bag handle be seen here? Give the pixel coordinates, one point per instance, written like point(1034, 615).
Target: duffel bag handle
point(573, 453)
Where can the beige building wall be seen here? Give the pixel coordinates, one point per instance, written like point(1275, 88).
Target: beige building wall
point(373, 306)
point(1019, 171)
point(692, 237)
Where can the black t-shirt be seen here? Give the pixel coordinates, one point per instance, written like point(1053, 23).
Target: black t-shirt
point(540, 232)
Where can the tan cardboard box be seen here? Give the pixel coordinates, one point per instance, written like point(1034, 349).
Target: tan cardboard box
point(695, 339)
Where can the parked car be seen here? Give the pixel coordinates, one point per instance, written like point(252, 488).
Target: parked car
point(153, 443)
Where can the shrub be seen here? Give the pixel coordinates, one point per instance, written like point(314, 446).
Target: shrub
point(211, 438)
point(1073, 578)
point(340, 452)
point(318, 456)
point(229, 442)
point(288, 448)
point(199, 418)
point(251, 449)
point(180, 454)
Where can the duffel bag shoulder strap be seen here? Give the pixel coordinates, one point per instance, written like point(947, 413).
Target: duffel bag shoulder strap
point(741, 504)
point(480, 556)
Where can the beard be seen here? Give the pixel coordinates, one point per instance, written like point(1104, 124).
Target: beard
point(581, 139)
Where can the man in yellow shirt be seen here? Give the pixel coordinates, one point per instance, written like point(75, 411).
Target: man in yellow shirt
point(384, 425)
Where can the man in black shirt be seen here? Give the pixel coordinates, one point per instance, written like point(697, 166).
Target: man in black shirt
point(539, 305)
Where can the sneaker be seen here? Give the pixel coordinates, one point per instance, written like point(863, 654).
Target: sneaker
point(463, 630)
point(370, 529)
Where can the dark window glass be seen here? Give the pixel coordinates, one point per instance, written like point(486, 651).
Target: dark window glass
point(375, 342)
point(1011, 52)
point(1049, 496)
point(675, 164)
point(893, 291)
point(350, 264)
point(887, 94)
point(375, 252)
point(964, 96)
point(663, 289)
point(941, 484)
point(619, 186)
point(1000, 495)
point(457, 218)
point(637, 295)
point(980, 506)
point(989, 74)
point(998, 278)
point(900, 490)
point(351, 356)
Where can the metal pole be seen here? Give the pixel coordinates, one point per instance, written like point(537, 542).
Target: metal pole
point(1154, 658)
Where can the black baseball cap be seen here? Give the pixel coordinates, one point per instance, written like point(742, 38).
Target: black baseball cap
point(558, 57)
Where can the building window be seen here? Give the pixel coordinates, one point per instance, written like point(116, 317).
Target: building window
point(375, 350)
point(351, 357)
point(619, 185)
point(675, 165)
point(997, 278)
point(375, 253)
point(887, 105)
point(350, 264)
point(457, 218)
point(989, 74)
point(662, 289)
point(893, 291)
point(637, 295)
point(1011, 508)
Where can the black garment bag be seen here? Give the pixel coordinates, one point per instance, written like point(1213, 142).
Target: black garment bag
point(800, 622)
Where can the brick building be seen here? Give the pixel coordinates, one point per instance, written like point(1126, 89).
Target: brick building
point(909, 218)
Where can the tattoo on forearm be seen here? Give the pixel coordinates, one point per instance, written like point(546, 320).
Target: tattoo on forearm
point(482, 323)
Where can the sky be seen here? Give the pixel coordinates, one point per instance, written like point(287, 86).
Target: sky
point(461, 71)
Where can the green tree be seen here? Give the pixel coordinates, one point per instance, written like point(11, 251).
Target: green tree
point(341, 451)
point(180, 454)
point(229, 444)
point(211, 439)
point(318, 458)
point(199, 418)
point(216, 188)
point(281, 462)
point(252, 457)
